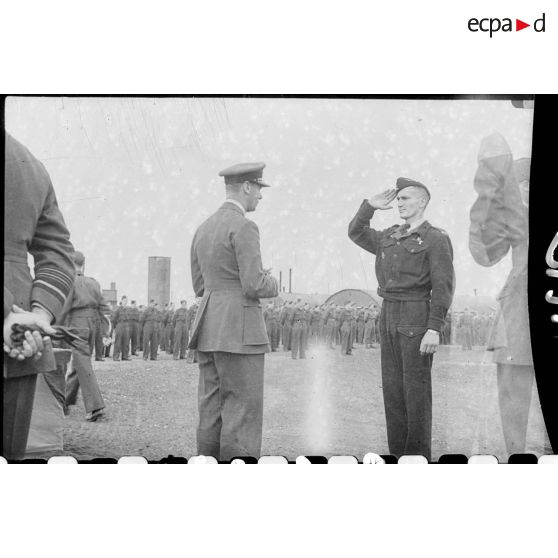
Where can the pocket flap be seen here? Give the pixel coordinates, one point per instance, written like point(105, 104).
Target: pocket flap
point(251, 302)
point(414, 247)
point(411, 331)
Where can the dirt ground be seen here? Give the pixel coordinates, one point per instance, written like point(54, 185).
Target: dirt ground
point(328, 404)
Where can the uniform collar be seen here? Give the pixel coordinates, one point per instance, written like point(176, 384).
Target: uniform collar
point(237, 204)
point(416, 225)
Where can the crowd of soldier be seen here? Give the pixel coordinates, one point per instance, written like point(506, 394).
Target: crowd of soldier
point(148, 329)
point(295, 325)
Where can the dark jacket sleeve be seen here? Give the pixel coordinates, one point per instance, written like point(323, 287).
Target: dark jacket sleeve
point(498, 218)
point(255, 282)
point(53, 254)
point(442, 277)
point(197, 277)
point(8, 301)
point(359, 229)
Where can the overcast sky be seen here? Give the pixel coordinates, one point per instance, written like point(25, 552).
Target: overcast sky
point(135, 177)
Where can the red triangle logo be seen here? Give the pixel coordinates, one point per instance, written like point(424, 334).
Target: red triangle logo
point(519, 25)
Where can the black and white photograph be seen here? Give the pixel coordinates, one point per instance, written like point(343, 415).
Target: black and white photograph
point(268, 276)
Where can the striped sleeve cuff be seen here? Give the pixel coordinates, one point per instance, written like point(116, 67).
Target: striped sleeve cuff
point(51, 288)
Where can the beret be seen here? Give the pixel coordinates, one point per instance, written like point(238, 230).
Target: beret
point(244, 172)
point(79, 258)
point(406, 182)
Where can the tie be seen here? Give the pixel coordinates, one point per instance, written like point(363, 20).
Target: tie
point(404, 228)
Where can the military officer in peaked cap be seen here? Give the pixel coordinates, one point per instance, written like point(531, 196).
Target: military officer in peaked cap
point(414, 268)
point(229, 332)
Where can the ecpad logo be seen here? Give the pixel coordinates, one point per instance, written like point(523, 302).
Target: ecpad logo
point(492, 25)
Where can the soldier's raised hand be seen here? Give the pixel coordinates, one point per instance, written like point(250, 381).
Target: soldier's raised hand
point(384, 199)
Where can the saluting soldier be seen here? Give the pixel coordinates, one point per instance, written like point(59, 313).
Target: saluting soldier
point(181, 331)
point(499, 225)
point(229, 333)
point(33, 224)
point(414, 268)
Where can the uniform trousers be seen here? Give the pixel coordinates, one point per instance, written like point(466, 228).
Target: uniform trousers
point(360, 332)
point(368, 329)
point(406, 377)
point(180, 339)
point(275, 335)
point(19, 394)
point(169, 338)
point(467, 338)
point(134, 336)
point(121, 340)
point(150, 340)
point(330, 332)
point(81, 371)
point(346, 338)
point(515, 389)
point(287, 337)
point(230, 404)
point(298, 339)
point(99, 345)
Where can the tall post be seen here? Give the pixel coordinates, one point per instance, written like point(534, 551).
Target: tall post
point(290, 279)
point(280, 281)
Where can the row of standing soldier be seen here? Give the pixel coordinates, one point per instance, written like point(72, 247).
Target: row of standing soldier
point(297, 324)
point(149, 329)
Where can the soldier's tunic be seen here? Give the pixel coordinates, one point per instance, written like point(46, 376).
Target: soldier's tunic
point(229, 333)
point(134, 317)
point(181, 323)
point(298, 333)
point(33, 224)
point(122, 333)
point(150, 333)
point(416, 280)
point(81, 312)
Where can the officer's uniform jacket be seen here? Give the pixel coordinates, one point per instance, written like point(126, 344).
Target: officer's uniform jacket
point(409, 266)
point(33, 224)
point(227, 272)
